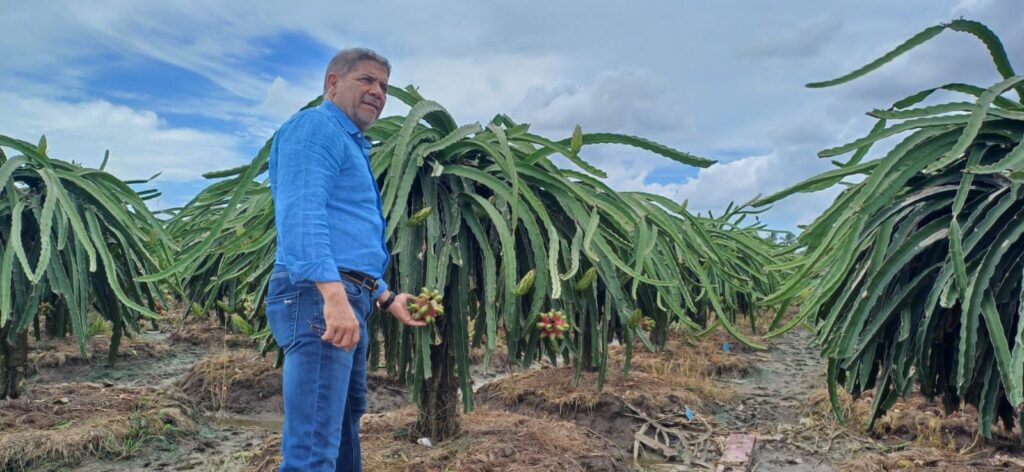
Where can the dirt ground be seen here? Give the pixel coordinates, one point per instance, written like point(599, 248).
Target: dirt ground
point(491, 440)
point(244, 383)
point(56, 426)
point(785, 405)
point(206, 332)
point(184, 399)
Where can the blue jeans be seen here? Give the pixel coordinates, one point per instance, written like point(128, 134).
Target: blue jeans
point(324, 386)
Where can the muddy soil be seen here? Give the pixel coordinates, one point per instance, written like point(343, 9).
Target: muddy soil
point(51, 427)
point(216, 447)
point(148, 359)
point(157, 360)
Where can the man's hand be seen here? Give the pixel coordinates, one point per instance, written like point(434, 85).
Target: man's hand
point(400, 310)
point(342, 326)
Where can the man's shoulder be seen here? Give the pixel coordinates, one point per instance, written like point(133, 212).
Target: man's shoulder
point(311, 117)
point(312, 125)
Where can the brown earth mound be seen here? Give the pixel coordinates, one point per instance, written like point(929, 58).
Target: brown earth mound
point(644, 411)
point(206, 332)
point(234, 381)
point(244, 382)
point(610, 412)
point(60, 425)
point(490, 441)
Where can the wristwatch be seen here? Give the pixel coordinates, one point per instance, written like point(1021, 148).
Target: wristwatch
point(383, 306)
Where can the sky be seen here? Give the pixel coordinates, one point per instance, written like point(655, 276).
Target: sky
point(187, 87)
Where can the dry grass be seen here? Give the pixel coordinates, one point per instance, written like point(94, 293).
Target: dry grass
point(926, 438)
point(267, 456)
point(933, 459)
point(243, 382)
point(915, 419)
point(691, 364)
point(490, 441)
point(553, 391)
point(60, 425)
point(234, 381)
point(856, 413)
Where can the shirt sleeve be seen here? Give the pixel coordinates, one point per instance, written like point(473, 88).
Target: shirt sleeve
point(306, 167)
point(382, 286)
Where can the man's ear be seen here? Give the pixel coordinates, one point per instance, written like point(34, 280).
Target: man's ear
point(332, 80)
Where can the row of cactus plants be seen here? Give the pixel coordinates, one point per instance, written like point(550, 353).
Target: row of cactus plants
point(483, 215)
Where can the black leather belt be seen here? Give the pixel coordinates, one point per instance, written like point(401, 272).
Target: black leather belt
point(361, 279)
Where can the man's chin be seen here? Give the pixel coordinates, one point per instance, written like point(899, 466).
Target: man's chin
point(367, 121)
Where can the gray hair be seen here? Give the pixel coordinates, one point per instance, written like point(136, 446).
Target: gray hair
point(346, 59)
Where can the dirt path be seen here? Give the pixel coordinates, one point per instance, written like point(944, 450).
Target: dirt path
point(773, 403)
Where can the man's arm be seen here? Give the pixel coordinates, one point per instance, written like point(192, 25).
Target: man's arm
point(305, 170)
point(342, 325)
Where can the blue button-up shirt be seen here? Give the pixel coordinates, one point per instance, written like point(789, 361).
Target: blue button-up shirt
point(326, 201)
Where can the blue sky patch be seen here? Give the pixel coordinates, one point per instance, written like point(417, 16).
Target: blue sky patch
point(138, 81)
point(290, 54)
point(671, 174)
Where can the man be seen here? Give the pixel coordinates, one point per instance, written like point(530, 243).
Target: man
point(331, 254)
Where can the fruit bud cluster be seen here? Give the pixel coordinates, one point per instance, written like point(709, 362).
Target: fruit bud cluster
point(552, 325)
point(427, 306)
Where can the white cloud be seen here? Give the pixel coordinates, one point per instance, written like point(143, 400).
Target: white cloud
point(155, 31)
point(140, 143)
point(624, 101)
point(801, 41)
point(705, 77)
point(475, 88)
point(737, 181)
point(284, 98)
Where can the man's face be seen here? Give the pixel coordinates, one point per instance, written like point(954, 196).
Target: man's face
point(361, 93)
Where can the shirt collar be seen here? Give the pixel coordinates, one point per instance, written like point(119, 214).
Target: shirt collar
point(345, 122)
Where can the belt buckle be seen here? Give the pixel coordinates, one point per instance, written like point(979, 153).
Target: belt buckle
point(362, 279)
